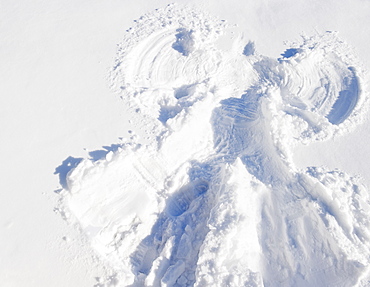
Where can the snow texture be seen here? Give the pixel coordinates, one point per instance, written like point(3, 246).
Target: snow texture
point(214, 198)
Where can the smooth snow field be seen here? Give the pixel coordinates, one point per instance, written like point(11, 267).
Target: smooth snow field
point(211, 196)
point(196, 143)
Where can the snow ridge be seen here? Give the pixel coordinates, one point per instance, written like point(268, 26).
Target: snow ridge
point(214, 198)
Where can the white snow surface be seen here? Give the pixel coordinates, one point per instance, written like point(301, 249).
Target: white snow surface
point(211, 196)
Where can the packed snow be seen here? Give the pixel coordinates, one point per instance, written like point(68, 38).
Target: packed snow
point(210, 195)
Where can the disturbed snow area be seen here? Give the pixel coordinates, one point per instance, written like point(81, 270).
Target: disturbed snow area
point(211, 197)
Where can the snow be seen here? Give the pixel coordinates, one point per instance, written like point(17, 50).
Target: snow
point(202, 179)
point(216, 142)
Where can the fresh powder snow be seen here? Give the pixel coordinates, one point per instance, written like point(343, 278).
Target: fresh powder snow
point(209, 195)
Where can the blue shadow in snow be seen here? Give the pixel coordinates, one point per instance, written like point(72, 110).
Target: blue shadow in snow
point(99, 154)
point(63, 170)
point(180, 201)
point(346, 101)
point(71, 162)
point(168, 112)
point(290, 53)
point(184, 91)
point(184, 42)
point(249, 49)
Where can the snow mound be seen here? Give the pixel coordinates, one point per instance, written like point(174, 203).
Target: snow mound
point(214, 198)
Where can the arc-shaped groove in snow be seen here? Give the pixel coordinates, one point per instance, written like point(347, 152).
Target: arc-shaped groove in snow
point(347, 100)
point(155, 63)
